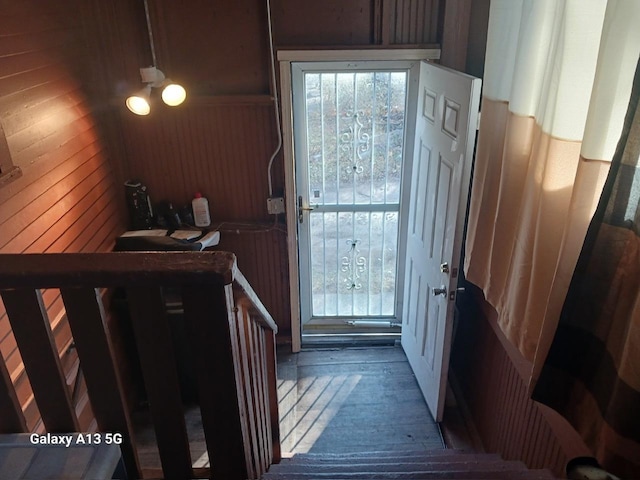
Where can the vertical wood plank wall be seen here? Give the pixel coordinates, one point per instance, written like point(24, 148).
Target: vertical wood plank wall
point(221, 150)
point(65, 199)
point(414, 21)
point(497, 396)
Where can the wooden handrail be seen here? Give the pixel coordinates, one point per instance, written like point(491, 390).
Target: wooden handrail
point(231, 334)
point(257, 309)
point(55, 270)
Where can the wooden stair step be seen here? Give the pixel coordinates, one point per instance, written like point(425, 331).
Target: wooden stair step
point(385, 454)
point(448, 458)
point(418, 475)
point(434, 464)
point(399, 467)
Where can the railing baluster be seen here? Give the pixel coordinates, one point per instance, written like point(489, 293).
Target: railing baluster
point(30, 324)
point(87, 319)
point(251, 338)
point(233, 348)
point(153, 340)
point(11, 417)
point(210, 321)
point(272, 384)
point(265, 396)
point(248, 375)
point(260, 378)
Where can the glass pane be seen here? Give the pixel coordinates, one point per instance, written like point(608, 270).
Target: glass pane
point(353, 263)
point(354, 139)
point(355, 136)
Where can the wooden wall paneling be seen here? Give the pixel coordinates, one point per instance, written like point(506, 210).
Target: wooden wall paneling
point(77, 221)
point(377, 22)
point(477, 42)
point(388, 10)
point(262, 258)
point(213, 47)
point(61, 202)
point(36, 173)
point(494, 389)
point(222, 151)
point(116, 37)
point(325, 23)
point(38, 216)
point(413, 22)
point(41, 118)
point(36, 138)
point(455, 33)
point(30, 154)
point(29, 192)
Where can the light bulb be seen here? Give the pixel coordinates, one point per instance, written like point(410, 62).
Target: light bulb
point(173, 94)
point(138, 103)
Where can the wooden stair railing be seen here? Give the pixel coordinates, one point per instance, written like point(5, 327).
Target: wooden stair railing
point(231, 336)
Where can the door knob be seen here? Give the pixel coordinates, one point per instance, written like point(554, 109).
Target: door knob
point(440, 291)
point(444, 267)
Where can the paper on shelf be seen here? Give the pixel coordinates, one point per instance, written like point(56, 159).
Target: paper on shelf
point(145, 233)
point(210, 239)
point(186, 234)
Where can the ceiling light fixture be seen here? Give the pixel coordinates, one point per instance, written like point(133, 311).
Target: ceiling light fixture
point(173, 94)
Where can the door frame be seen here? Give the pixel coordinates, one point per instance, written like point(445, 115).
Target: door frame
point(285, 58)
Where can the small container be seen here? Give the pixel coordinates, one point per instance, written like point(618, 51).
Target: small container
point(201, 211)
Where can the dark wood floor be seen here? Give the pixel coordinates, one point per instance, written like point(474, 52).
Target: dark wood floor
point(352, 400)
point(331, 401)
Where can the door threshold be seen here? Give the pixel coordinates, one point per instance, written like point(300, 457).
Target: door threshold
point(350, 340)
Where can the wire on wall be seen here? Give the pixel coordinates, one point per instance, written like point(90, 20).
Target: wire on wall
point(276, 103)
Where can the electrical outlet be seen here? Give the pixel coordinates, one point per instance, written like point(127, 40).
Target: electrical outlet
point(275, 205)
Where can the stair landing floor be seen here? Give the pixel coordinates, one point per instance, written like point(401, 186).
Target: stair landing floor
point(331, 401)
point(344, 400)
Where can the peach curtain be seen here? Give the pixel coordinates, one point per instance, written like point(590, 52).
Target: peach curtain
point(558, 77)
point(591, 374)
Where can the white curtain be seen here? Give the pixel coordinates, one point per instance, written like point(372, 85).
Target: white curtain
point(558, 78)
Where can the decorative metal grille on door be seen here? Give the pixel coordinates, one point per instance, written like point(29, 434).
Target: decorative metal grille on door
point(355, 125)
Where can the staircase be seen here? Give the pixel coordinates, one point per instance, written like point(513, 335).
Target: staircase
point(432, 464)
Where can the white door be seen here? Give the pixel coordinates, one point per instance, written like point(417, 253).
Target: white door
point(445, 133)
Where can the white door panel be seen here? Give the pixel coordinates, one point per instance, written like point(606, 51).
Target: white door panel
point(445, 136)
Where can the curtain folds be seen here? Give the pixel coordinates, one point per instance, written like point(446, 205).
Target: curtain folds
point(558, 78)
point(592, 373)
point(556, 71)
